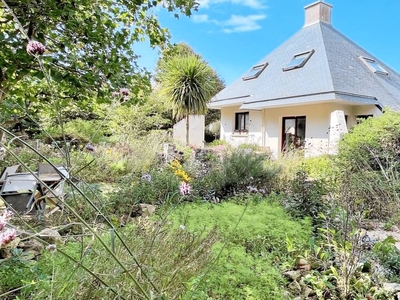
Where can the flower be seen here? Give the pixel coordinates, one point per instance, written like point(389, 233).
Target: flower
point(51, 248)
point(185, 188)
point(115, 94)
point(35, 47)
point(4, 218)
point(146, 177)
point(124, 91)
point(7, 236)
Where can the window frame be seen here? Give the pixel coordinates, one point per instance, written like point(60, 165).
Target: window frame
point(307, 55)
point(260, 68)
point(370, 62)
point(238, 122)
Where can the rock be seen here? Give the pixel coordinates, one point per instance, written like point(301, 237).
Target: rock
point(391, 287)
point(6, 251)
point(305, 290)
point(31, 245)
point(294, 288)
point(147, 209)
point(50, 235)
point(293, 275)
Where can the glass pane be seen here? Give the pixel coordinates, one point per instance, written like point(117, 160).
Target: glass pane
point(290, 132)
point(300, 132)
point(376, 66)
point(255, 71)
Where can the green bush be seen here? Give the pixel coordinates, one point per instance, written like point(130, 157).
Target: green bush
point(369, 163)
point(304, 197)
point(163, 187)
point(237, 171)
point(252, 247)
point(389, 256)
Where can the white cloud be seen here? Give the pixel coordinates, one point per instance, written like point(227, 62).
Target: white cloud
point(242, 23)
point(256, 4)
point(201, 18)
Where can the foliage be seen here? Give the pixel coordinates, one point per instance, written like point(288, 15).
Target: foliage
point(246, 264)
point(20, 270)
point(389, 256)
point(89, 46)
point(188, 83)
point(158, 274)
point(163, 187)
point(109, 163)
point(237, 171)
point(368, 163)
point(304, 197)
point(132, 122)
point(340, 267)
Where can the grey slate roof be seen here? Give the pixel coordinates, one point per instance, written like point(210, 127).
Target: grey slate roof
point(334, 72)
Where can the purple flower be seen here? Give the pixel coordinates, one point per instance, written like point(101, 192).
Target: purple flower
point(35, 47)
point(146, 177)
point(124, 92)
point(90, 147)
point(185, 188)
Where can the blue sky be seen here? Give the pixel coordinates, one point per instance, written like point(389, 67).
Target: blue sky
point(233, 35)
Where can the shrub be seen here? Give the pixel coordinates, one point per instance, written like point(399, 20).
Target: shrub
point(369, 164)
point(238, 170)
point(304, 197)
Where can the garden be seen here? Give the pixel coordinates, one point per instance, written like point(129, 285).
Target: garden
point(140, 216)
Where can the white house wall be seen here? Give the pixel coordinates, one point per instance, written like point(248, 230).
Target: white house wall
point(269, 121)
point(228, 127)
point(196, 131)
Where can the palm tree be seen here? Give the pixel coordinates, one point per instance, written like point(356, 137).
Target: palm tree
point(188, 83)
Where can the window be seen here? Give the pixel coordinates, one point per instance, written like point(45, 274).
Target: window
point(255, 72)
point(242, 122)
point(299, 60)
point(374, 66)
point(293, 132)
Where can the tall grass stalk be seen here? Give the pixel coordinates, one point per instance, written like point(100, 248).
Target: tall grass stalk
point(70, 209)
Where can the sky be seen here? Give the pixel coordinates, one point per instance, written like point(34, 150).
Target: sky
point(233, 35)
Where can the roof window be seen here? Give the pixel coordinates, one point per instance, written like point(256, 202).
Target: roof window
point(374, 66)
point(299, 60)
point(255, 71)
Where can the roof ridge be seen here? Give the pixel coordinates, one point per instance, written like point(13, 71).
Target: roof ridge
point(326, 54)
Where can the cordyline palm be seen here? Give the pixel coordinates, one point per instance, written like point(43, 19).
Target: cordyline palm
point(188, 83)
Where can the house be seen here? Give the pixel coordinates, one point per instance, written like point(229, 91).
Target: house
point(308, 91)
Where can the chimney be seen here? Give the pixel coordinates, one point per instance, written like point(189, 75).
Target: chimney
point(318, 12)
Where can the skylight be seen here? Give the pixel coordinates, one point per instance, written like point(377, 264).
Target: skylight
point(374, 66)
point(255, 71)
point(299, 60)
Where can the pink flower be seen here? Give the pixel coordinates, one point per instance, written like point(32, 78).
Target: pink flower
point(124, 91)
point(115, 94)
point(7, 236)
point(35, 47)
point(185, 188)
point(52, 248)
point(7, 214)
point(3, 223)
point(4, 218)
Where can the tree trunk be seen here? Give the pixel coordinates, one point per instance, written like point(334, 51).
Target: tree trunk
point(187, 130)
